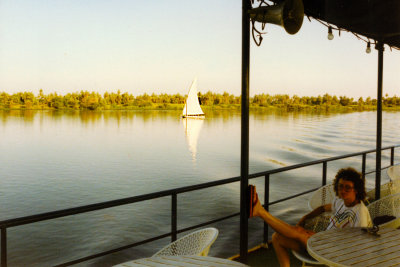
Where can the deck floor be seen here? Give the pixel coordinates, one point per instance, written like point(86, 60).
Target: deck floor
point(262, 257)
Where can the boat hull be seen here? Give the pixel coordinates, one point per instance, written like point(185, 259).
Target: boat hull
point(200, 116)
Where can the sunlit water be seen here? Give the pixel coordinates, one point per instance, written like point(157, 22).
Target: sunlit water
point(55, 160)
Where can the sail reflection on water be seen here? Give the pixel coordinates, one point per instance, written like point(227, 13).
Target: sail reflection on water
point(192, 131)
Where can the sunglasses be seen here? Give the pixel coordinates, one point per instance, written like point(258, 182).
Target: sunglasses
point(346, 188)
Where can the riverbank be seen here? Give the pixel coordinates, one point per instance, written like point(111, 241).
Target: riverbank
point(170, 107)
point(209, 101)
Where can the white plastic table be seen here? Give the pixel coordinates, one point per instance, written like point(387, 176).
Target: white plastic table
point(354, 247)
point(186, 261)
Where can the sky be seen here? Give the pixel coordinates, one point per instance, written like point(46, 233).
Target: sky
point(159, 47)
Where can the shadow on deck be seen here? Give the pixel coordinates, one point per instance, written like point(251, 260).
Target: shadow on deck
point(261, 256)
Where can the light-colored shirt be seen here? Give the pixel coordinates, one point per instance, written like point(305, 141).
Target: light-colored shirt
point(343, 217)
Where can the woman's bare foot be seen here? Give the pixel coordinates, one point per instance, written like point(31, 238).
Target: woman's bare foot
point(257, 208)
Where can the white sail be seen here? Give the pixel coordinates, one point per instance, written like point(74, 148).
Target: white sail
point(192, 131)
point(192, 105)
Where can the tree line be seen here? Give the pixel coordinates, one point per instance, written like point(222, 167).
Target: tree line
point(85, 100)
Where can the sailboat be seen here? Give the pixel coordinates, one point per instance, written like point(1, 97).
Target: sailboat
point(192, 106)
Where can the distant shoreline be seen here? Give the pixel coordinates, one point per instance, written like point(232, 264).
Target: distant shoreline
point(85, 100)
point(218, 108)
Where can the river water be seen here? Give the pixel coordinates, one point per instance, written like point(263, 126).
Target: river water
point(52, 160)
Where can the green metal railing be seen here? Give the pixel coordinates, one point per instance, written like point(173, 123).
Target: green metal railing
point(173, 193)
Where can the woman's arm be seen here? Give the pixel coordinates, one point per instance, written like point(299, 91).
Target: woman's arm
point(314, 213)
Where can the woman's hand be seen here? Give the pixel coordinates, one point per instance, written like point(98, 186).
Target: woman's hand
point(314, 213)
point(302, 221)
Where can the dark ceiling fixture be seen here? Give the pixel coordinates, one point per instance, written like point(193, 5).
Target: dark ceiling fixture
point(371, 21)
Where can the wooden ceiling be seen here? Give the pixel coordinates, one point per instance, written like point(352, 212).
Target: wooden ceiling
point(377, 20)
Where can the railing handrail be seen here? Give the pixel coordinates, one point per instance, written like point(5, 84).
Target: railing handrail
point(314, 162)
point(173, 193)
point(109, 204)
point(129, 200)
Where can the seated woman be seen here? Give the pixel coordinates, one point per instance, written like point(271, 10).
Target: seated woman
point(347, 207)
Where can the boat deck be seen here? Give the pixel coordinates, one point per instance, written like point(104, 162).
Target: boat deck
point(261, 257)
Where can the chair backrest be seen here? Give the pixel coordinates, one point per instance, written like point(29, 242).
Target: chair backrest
point(390, 188)
point(196, 243)
point(394, 172)
point(385, 207)
point(318, 223)
point(324, 195)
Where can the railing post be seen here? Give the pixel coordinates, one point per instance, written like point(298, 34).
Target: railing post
point(392, 156)
point(173, 217)
point(364, 164)
point(3, 247)
point(266, 205)
point(324, 169)
point(244, 137)
point(380, 48)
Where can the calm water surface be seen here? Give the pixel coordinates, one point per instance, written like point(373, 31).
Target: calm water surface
point(55, 160)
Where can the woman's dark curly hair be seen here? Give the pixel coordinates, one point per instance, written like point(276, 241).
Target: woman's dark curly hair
point(350, 174)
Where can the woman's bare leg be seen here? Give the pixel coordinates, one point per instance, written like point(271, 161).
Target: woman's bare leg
point(285, 237)
point(281, 244)
point(292, 232)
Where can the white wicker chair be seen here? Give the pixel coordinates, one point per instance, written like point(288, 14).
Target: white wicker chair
point(319, 223)
point(196, 243)
point(390, 188)
point(386, 206)
point(394, 172)
point(306, 258)
point(324, 195)
point(316, 224)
